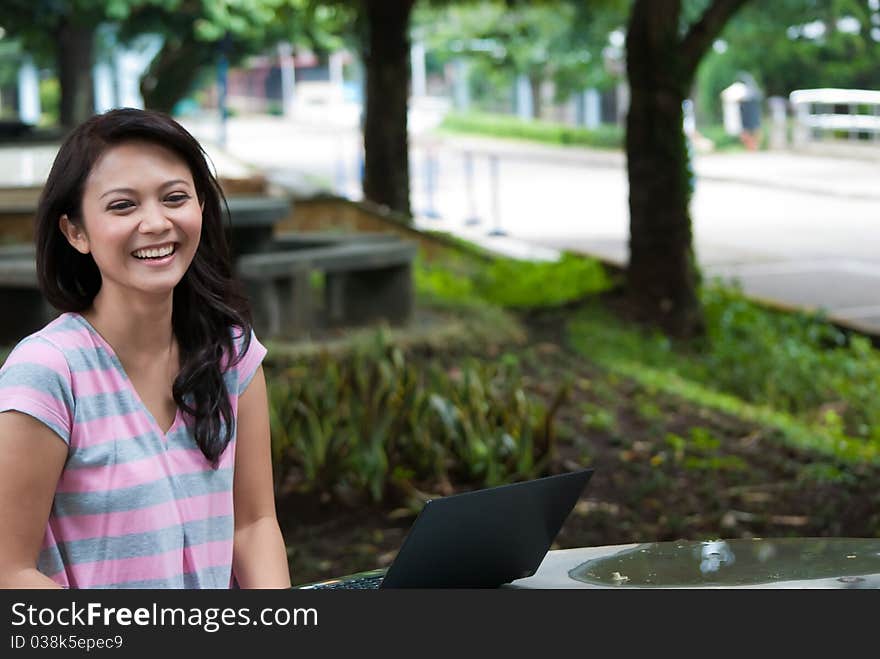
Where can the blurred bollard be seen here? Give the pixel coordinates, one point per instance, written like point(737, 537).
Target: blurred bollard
point(472, 218)
point(778, 122)
point(341, 178)
point(877, 114)
point(496, 202)
point(430, 182)
point(802, 132)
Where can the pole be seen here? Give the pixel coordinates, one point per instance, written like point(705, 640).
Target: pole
point(496, 202)
point(472, 218)
point(430, 181)
point(288, 78)
point(222, 79)
point(341, 178)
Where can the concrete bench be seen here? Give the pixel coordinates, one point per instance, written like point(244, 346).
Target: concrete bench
point(367, 277)
point(309, 239)
point(252, 220)
point(364, 281)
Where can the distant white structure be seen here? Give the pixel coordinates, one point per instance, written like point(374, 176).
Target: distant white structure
point(288, 78)
point(28, 92)
point(117, 74)
point(731, 97)
point(778, 107)
point(819, 112)
point(418, 74)
point(592, 104)
point(523, 91)
point(461, 88)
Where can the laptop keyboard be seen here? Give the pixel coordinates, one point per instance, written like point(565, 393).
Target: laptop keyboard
point(357, 583)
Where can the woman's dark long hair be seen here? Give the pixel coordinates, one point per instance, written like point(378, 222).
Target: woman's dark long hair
point(208, 303)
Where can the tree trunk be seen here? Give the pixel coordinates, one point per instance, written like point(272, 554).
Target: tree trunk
point(662, 275)
point(74, 64)
point(386, 148)
point(173, 72)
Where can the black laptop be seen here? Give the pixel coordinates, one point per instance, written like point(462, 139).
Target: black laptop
point(479, 539)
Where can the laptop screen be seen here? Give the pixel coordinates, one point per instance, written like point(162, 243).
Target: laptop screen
point(487, 537)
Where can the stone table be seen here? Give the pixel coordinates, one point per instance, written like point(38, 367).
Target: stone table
point(738, 563)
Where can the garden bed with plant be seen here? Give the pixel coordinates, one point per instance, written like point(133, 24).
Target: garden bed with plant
point(766, 428)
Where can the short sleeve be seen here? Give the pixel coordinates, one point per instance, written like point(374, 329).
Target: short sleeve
point(250, 362)
point(35, 380)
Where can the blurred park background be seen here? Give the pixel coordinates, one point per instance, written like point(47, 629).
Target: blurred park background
point(493, 240)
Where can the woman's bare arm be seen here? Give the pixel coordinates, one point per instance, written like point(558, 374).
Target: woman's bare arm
point(32, 458)
point(259, 555)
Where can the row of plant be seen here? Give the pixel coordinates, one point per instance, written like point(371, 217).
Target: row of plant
point(794, 371)
point(607, 136)
point(511, 283)
point(370, 423)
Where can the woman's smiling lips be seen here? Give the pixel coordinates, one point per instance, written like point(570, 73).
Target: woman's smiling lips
point(156, 260)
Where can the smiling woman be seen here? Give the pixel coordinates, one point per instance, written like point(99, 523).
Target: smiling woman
point(139, 208)
point(151, 379)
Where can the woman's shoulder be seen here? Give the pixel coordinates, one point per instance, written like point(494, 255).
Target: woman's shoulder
point(244, 340)
point(249, 353)
point(51, 342)
point(37, 376)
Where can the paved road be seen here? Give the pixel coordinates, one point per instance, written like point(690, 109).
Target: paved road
point(799, 230)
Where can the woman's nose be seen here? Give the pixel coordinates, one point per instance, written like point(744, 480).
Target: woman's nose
point(153, 219)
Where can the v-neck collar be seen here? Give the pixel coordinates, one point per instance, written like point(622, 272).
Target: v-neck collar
point(118, 363)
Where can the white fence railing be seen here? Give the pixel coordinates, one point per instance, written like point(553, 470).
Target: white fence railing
point(821, 113)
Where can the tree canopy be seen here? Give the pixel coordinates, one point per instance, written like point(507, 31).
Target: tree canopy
point(63, 34)
point(558, 41)
point(197, 32)
point(796, 44)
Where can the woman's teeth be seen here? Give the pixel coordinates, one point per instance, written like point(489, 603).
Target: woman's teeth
point(153, 253)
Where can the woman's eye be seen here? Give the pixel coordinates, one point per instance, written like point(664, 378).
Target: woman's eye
point(177, 198)
point(120, 205)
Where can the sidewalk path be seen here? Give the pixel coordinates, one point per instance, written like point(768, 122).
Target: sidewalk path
point(795, 230)
point(854, 178)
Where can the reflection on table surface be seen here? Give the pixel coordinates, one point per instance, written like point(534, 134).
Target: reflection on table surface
point(735, 563)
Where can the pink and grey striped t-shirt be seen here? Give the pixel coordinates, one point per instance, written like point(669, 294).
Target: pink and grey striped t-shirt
point(134, 507)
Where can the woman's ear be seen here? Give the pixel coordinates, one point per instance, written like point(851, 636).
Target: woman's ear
point(75, 234)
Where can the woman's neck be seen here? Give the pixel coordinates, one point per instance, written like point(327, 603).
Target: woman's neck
point(135, 328)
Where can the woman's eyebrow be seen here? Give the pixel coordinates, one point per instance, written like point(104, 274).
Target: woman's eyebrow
point(167, 184)
point(176, 181)
point(114, 190)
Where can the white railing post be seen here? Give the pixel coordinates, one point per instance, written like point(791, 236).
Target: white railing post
point(815, 113)
point(801, 126)
point(778, 121)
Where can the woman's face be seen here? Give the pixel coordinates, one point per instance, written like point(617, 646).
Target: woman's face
point(141, 219)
